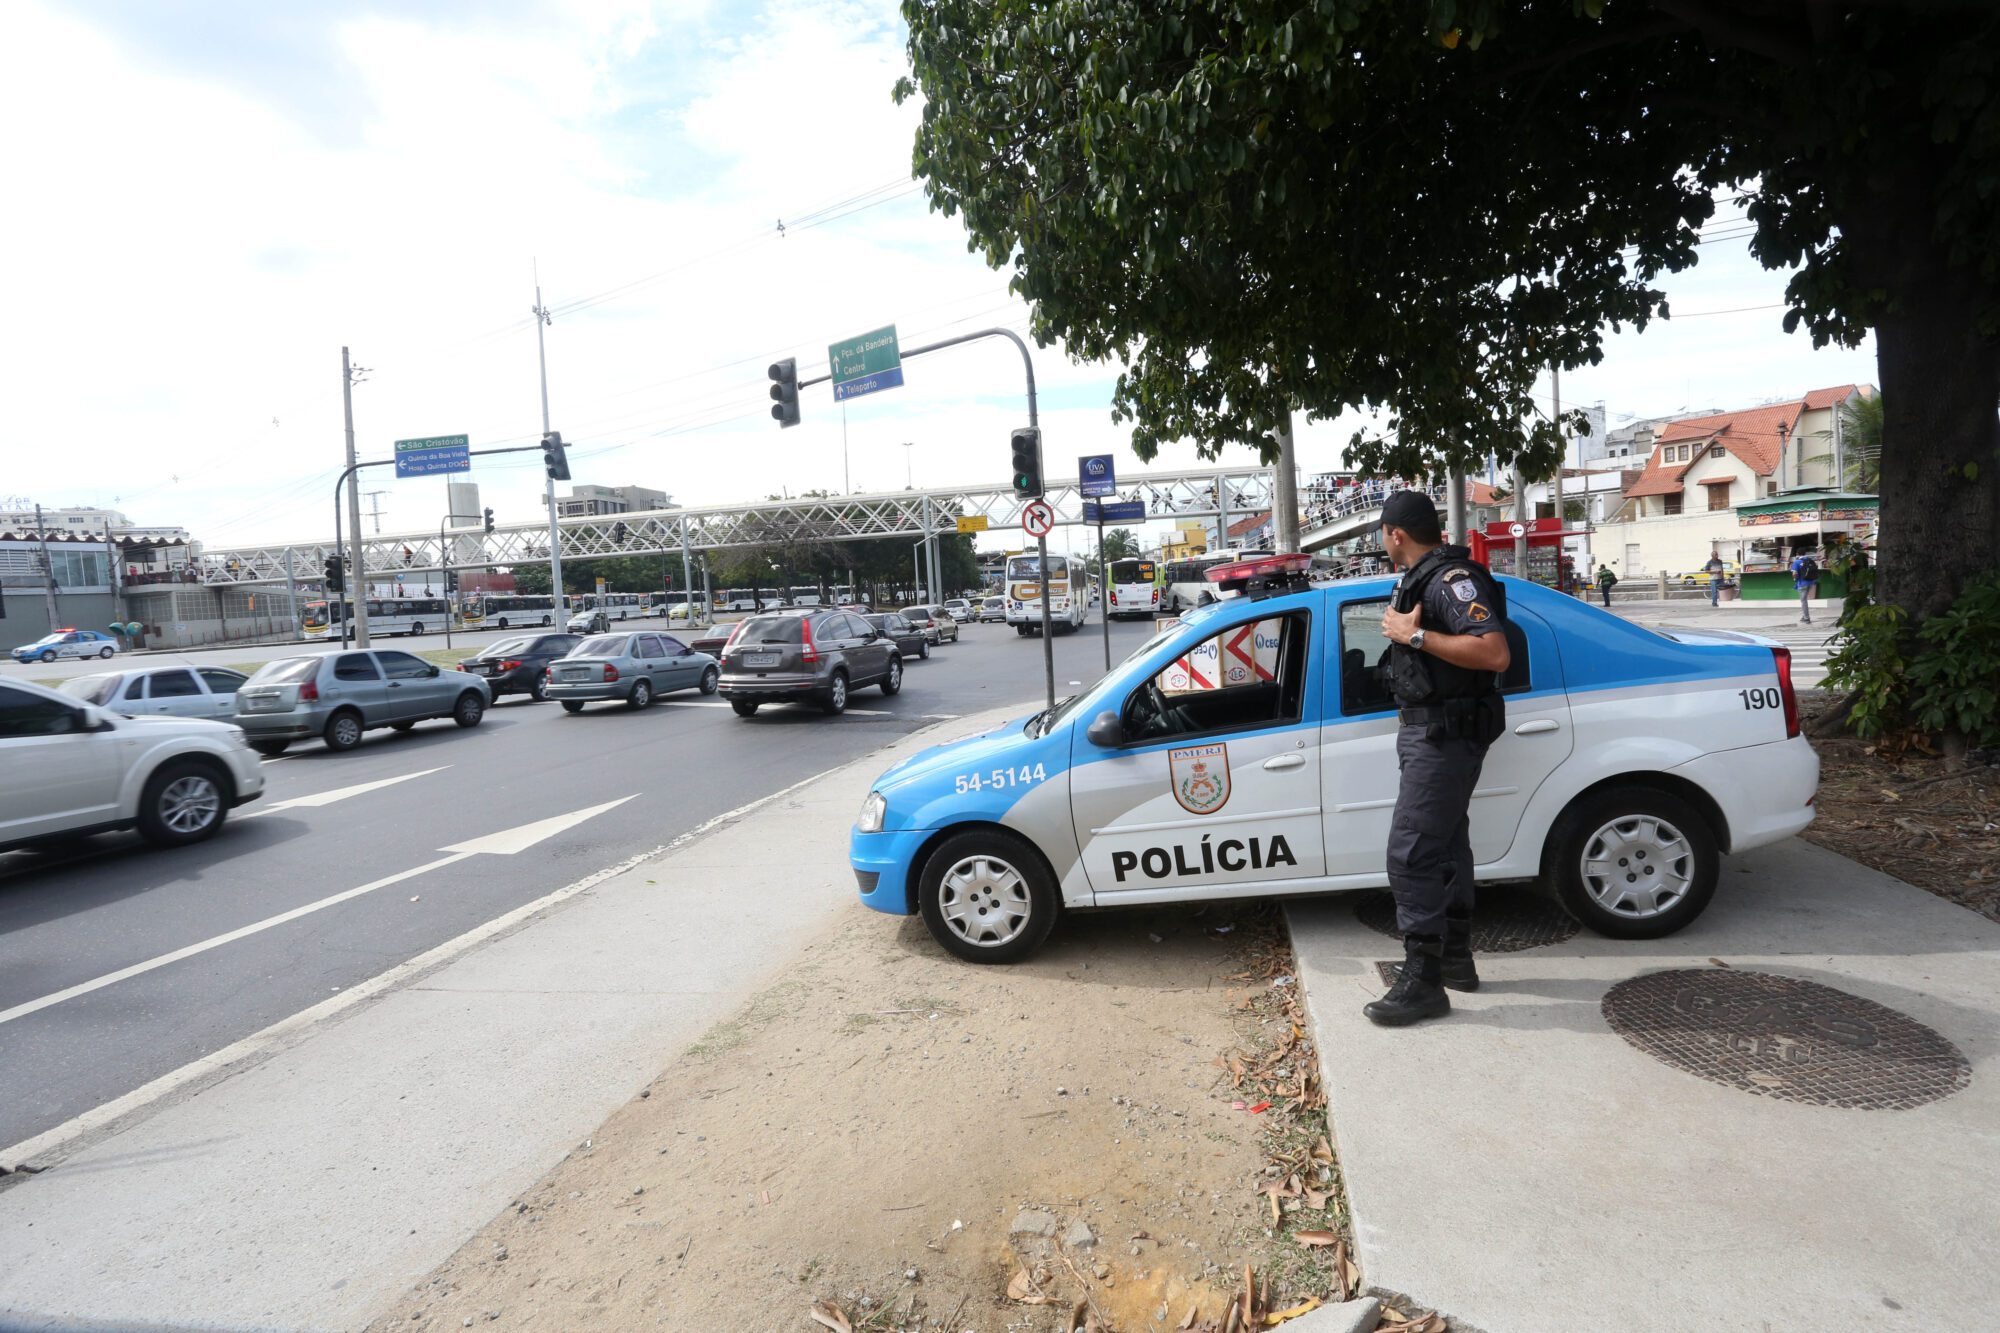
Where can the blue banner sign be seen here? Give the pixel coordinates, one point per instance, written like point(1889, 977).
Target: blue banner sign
point(1095, 473)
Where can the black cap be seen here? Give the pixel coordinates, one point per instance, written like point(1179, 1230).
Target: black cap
point(1413, 512)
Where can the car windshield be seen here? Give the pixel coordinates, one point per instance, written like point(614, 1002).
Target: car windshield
point(1079, 702)
point(916, 613)
point(773, 629)
point(508, 647)
point(48, 638)
point(285, 670)
point(602, 645)
point(95, 689)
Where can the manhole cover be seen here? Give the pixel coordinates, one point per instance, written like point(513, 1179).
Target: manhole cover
point(1505, 920)
point(1782, 1037)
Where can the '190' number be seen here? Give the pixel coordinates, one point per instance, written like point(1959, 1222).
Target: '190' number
point(1768, 697)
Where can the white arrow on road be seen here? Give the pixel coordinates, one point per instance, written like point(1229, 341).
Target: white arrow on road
point(341, 794)
point(505, 843)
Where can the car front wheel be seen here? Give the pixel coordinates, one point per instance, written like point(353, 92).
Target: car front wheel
point(106, 652)
point(182, 803)
point(1633, 863)
point(892, 683)
point(538, 689)
point(924, 651)
point(48, 655)
point(469, 709)
point(710, 679)
point(986, 897)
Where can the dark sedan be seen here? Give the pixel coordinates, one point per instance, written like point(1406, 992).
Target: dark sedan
point(909, 640)
point(519, 665)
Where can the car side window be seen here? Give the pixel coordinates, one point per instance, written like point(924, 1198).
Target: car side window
point(673, 647)
point(403, 666)
point(1364, 659)
point(1247, 676)
point(355, 666)
point(24, 714)
point(135, 688)
point(646, 646)
point(172, 685)
point(857, 628)
point(219, 680)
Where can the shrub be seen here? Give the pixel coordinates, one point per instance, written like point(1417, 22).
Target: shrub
point(1955, 676)
point(1868, 662)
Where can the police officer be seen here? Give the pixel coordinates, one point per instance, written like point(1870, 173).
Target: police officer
point(1446, 622)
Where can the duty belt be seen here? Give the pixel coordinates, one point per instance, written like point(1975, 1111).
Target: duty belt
point(1420, 717)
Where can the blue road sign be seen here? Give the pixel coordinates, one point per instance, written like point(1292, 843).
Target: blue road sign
point(433, 456)
point(887, 379)
point(1095, 473)
point(1117, 511)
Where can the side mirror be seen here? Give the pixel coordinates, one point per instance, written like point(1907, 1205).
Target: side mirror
point(435, 671)
point(1105, 730)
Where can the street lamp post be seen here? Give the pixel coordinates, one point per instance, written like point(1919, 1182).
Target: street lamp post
point(908, 445)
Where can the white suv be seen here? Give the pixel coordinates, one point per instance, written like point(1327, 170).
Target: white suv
point(68, 769)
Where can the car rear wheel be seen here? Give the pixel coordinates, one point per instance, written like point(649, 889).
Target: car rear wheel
point(744, 707)
point(469, 709)
point(343, 731)
point(1633, 863)
point(572, 705)
point(834, 701)
point(402, 726)
point(710, 679)
point(182, 803)
point(986, 897)
point(892, 683)
point(641, 695)
point(270, 749)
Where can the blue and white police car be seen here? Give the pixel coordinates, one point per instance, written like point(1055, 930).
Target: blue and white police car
point(67, 643)
point(1248, 750)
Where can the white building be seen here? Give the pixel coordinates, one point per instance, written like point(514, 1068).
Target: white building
point(146, 550)
point(592, 500)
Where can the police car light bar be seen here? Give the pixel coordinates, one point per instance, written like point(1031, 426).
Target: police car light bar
point(1265, 576)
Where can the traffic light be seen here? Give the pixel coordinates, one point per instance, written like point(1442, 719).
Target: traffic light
point(489, 521)
point(336, 574)
point(785, 392)
point(618, 533)
point(554, 460)
point(451, 580)
point(1027, 442)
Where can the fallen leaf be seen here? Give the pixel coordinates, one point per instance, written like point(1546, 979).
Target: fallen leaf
point(829, 1315)
point(1024, 1290)
point(1280, 1316)
point(1310, 1238)
point(1322, 1151)
point(1316, 1199)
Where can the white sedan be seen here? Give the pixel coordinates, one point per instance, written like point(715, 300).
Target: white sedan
point(171, 691)
point(67, 643)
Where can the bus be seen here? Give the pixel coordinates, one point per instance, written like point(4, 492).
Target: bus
point(504, 610)
point(616, 605)
point(322, 618)
point(1069, 593)
point(1186, 584)
point(1135, 588)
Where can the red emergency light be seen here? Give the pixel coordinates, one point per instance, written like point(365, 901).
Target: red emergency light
point(1264, 576)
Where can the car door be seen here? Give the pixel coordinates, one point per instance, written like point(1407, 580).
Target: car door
point(174, 692)
point(683, 667)
point(1358, 742)
point(873, 646)
point(1216, 783)
point(222, 685)
point(410, 691)
point(647, 656)
point(358, 681)
point(59, 774)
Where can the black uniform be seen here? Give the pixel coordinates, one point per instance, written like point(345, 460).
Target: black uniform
point(1449, 715)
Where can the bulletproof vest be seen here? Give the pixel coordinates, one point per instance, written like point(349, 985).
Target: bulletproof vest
point(1417, 678)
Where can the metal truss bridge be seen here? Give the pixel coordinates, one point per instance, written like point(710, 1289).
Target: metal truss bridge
point(1224, 493)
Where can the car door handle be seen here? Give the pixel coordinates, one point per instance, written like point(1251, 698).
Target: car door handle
point(1283, 761)
point(1540, 724)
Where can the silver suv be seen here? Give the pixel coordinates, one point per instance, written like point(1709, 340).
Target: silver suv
point(338, 696)
point(806, 656)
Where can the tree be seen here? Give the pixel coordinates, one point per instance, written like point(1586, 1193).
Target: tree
point(1415, 209)
point(1120, 544)
point(1860, 443)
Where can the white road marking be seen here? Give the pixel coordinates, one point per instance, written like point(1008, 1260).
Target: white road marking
point(281, 1033)
point(341, 793)
point(505, 843)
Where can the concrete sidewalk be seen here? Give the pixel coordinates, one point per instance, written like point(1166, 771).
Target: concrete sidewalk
point(1521, 1166)
point(308, 1185)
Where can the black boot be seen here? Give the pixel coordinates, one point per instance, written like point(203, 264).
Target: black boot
point(1458, 972)
point(1418, 992)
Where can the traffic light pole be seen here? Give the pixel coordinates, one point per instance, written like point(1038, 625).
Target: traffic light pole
point(1034, 423)
point(549, 492)
point(354, 577)
point(444, 568)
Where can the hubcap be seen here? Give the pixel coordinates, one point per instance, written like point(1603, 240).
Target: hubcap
point(895, 674)
point(189, 804)
point(840, 691)
point(985, 901)
point(1638, 866)
point(347, 730)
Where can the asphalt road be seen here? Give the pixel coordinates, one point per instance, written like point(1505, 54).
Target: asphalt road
point(80, 914)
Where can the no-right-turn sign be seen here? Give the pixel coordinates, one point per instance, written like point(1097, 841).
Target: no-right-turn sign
point(1038, 519)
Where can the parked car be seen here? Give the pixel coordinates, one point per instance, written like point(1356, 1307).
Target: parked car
point(338, 696)
point(69, 768)
point(67, 643)
point(632, 668)
point(520, 665)
point(993, 610)
point(588, 622)
point(175, 691)
point(909, 640)
point(936, 625)
point(958, 608)
point(818, 656)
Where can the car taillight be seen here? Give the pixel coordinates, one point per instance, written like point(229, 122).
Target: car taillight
point(308, 692)
point(511, 664)
point(1791, 698)
point(811, 654)
point(733, 633)
point(610, 672)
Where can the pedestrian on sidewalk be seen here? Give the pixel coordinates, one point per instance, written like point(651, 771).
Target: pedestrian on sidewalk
point(1447, 621)
point(1715, 570)
point(1805, 577)
point(1605, 578)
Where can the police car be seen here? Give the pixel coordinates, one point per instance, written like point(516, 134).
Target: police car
point(67, 643)
point(1248, 750)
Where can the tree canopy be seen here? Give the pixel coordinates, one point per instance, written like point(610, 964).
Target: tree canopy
point(1416, 209)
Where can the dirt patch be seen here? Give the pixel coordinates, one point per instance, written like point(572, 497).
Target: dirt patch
point(903, 1136)
point(1927, 820)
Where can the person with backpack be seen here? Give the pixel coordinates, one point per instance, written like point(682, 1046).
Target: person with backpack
point(1605, 580)
point(1805, 577)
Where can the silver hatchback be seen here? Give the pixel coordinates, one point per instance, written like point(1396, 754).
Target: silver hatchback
point(631, 668)
point(338, 696)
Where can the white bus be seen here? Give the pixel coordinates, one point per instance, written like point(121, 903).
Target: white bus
point(1135, 588)
point(505, 610)
point(1069, 593)
point(322, 618)
point(616, 605)
point(1186, 585)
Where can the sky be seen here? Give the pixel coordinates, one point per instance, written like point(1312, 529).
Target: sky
point(210, 199)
